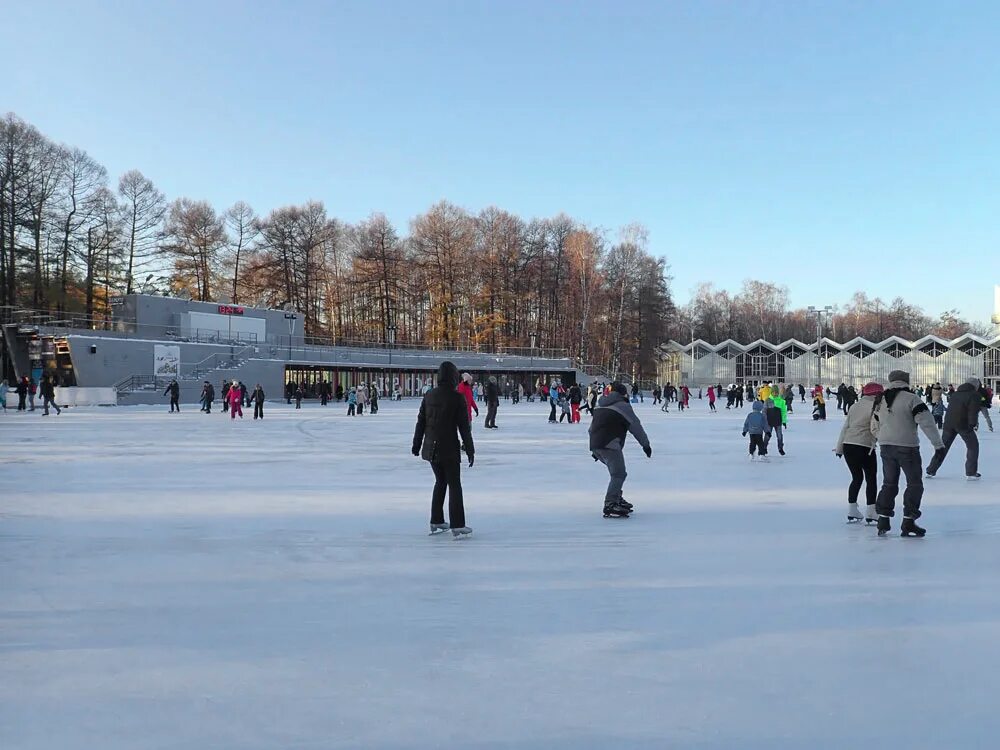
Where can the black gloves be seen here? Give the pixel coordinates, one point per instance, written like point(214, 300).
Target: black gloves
point(472, 459)
point(648, 450)
point(416, 450)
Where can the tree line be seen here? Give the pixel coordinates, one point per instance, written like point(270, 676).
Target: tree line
point(760, 310)
point(70, 239)
point(489, 281)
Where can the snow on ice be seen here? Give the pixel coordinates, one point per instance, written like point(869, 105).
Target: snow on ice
point(188, 582)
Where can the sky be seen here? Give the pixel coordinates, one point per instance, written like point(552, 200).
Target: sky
point(827, 147)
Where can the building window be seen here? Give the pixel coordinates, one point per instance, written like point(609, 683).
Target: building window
point(793, 352)
point(991, 363)
point(934, 349)
point(896, 350)
point(861, 351)
point(700, 351)
point(727, 352)
point(972, 348)
point(826, 351)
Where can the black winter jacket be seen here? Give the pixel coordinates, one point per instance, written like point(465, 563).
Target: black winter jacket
point(492, 393)
point(443, 416)
point(773, 416)
point(963, 408)
point(613, 418)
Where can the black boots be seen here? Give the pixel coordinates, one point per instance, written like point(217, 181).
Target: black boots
point(910, 528)
point(884, 525)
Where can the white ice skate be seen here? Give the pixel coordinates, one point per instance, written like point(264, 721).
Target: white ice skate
point(853, 513)
point(973, 478)
point(753, 457)
point(871, 515)
point(438, 528)
point(460, 532)
point(765, 459)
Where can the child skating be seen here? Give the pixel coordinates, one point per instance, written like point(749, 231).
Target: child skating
point(756, 426)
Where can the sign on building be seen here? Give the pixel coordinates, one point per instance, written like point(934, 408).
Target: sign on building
point(166, 361)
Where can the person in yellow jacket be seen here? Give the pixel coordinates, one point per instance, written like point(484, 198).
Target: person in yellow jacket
point(764, 392)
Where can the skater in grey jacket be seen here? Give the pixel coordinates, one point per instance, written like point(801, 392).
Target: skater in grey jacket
point(756, 426)
point(613, 419)
point(894, 425)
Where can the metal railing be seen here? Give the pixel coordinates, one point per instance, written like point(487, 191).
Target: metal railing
point(219, 361)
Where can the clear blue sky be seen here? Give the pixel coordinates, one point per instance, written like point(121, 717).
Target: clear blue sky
point(828, 146)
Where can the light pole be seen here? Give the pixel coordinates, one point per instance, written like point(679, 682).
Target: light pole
point(291, 318)
point(531, 362)
point(391, 331)
point(819, 313)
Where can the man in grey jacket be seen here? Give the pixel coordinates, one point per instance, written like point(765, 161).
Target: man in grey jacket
point(894, 424)
point(612, 420)
point(961, 420)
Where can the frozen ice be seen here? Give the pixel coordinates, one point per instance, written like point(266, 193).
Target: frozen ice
point(184, 581)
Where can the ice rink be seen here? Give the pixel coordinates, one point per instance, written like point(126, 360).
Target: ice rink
point(183, 581)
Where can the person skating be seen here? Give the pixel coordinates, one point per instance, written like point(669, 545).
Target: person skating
point(465, 389)
point(22, 393)
point(775, 418)
point(207, 397)
point(613, 418)
point(4, 389)
point(175, 396)
point(756, 426)
point(352, 402)
point(738, 397)
point(575, 397)
point(802, 393)
point(442, 419)
point(48, 393)
point(782, 406)
point(299, 393)
point(711, 399)
point(938, 411)
point(243, 394)
point(894, 424)
point(235, 401)
point(492, 402)
point(373, 400)
point(962, 420)
point(985, 401)
point(224, 390)
point(819, 407)
point(857, 447)
point(258, 402)
point(324, 394)
point(553, 399)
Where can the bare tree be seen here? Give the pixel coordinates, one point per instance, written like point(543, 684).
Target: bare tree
point(241, 221)
point(83, 178)
point(143, 208)
point(194, 236)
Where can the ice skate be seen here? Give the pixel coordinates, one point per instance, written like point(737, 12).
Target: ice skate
point(909, 528)
point(765, 459)
point(752, 457)
point(439, 528)
point(973, 477)
point(870, 514)
point(929, 475)
point(884, 525)
point(854, 513)
point(781, 451)
point(461, 532)
point(615, 510)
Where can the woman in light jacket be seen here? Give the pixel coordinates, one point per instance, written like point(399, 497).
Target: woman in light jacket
point(857, 446)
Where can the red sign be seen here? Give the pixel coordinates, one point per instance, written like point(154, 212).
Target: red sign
point(230, 310)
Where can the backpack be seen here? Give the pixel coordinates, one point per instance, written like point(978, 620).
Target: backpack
point(874, 424)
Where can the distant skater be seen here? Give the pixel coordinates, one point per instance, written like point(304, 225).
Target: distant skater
point(175, 396)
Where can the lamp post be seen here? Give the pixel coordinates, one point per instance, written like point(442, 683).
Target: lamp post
point(691, 374)
point(291, 318)
point(391, 332)
point(531, 362)
point(819, 312)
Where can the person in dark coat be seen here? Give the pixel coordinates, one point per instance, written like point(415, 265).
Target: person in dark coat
point(175, 396)
point(22, 393)
point(340, 392)
point(226, 385)
point(48, 393)
point(613, 419)
point(245, 399)
point(373, 397)
point(207, 397)
point(323, 397)
point(492, 402)
point(258, 402)
point(443, 417)
point(961, 420)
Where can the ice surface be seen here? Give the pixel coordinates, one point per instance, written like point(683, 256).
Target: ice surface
point(189, 582)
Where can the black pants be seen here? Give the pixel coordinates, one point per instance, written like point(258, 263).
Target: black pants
point(491, 414)
point(174, 404)
point(21, 401)
point(51, 402)
point(863, 463)
point(971, 451)
point(758, 442)
point(898, 459)
point(322, 399)
point(552, 413)
point(448, 476)
point(258, 410)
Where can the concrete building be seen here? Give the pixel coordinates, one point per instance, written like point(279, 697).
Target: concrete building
point(151, 340)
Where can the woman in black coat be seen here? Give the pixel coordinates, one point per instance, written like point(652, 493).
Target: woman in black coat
point(442, 419)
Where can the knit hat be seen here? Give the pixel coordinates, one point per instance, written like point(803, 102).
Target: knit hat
point(900, 375)
point(466, 377)
point(975, 383)
point(872, 389)
point(619, 388)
